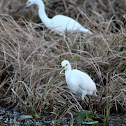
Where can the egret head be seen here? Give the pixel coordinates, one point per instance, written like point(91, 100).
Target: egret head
point(65, 65)
point(29, 3)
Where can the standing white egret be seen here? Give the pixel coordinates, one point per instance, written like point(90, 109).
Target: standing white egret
point(58, 23)
point(78, 81)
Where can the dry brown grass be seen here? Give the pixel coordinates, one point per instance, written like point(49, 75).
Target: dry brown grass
point(30, 58)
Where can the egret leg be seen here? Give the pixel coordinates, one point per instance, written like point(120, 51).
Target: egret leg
point(88, 107)
point(83, 96)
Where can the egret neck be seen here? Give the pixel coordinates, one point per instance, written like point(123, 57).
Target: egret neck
point(42, 14)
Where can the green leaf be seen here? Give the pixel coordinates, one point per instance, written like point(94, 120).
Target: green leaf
point(122, 49)
point(125, 71)
point(47, 107)
point(82, 114)
point(90, 123)
point(23, 117)
point(34, 110)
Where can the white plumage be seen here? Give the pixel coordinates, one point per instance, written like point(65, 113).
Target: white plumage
point(58, 23)
point(78, 81)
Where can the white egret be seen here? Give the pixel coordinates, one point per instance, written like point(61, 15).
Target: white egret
point(78, 81)
point(58, 23)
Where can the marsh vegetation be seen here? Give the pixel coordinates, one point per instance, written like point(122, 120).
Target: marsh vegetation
point(31, 55)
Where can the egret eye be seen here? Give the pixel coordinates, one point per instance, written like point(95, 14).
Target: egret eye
point(66, 65)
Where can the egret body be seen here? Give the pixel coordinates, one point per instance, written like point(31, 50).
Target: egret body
point(78, 81)
point(58, 23)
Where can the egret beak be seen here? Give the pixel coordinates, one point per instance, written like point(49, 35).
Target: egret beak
point(23, 6)
point(62, 70)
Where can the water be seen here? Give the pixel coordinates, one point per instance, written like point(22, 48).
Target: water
point(12, 118)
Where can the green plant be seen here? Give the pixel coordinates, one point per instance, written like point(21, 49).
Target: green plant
point(88, 118)
point(107, 110)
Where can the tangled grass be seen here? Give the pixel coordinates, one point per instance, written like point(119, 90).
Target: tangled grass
point(30, 58)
